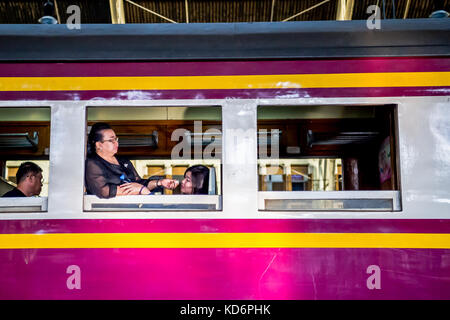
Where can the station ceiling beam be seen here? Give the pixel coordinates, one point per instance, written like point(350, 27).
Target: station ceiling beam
point(117, 11)
point(345, 9)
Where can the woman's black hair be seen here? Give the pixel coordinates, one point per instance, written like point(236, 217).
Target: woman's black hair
point(200, 179)
point(96, 135)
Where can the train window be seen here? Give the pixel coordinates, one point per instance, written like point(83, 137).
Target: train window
point(327, 158)
point(24, 158)
point(155, 148)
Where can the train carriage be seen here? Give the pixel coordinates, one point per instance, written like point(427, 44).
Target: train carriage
point(327, 143)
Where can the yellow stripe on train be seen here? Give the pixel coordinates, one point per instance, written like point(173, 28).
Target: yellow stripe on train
point(225, 240)
point(342, 80)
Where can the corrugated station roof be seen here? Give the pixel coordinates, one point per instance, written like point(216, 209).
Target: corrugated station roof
point(213, 11)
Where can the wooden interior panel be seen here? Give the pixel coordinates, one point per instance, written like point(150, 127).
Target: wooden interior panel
point(11, 175)
point(165, 129)
point(178, 170)
point(155, 171)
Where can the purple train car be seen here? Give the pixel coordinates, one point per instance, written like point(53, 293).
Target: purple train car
point(328, 148)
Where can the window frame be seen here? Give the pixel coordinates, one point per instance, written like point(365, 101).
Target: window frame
point(184, 202)
point(26, 204)
point(34, 206)
point(323, 199)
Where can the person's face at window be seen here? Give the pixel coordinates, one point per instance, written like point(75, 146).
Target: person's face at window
point(186, 184)
point(36, 181)
point(109, 144)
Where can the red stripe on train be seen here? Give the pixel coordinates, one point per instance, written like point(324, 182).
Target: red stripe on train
point(218, 68)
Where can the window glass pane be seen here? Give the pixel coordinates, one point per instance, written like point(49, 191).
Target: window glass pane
point(319, 174)
point(326, 148)
point(24, 157)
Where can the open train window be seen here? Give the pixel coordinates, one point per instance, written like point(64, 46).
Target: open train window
point(155, 146)
point(24, 158)
point(328, 158)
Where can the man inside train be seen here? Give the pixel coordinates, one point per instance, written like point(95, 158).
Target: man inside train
point(29, 181)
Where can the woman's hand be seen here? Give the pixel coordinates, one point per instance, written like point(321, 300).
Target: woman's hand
point(169, 183)
point(165, 183)
point(132, 188)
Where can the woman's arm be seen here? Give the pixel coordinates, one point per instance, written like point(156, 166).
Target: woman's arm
point(132, 188)
point(150, 185)
point(96, 182)
point(166, 183)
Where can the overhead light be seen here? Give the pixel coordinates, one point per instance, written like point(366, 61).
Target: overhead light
point(48, 14)
point(19, 140)
point(439, 14)
point(47, 20)
point(138, 140)
point(339, 138)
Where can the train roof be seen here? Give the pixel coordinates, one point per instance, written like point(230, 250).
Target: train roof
point(225, 41)
point(216, 11)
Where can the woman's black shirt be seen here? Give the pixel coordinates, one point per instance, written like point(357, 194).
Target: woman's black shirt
point(102, 177)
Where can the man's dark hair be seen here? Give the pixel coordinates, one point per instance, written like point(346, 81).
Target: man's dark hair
point(26, 168)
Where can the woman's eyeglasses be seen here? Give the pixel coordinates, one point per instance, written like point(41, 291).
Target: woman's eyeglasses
point(112, 140)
